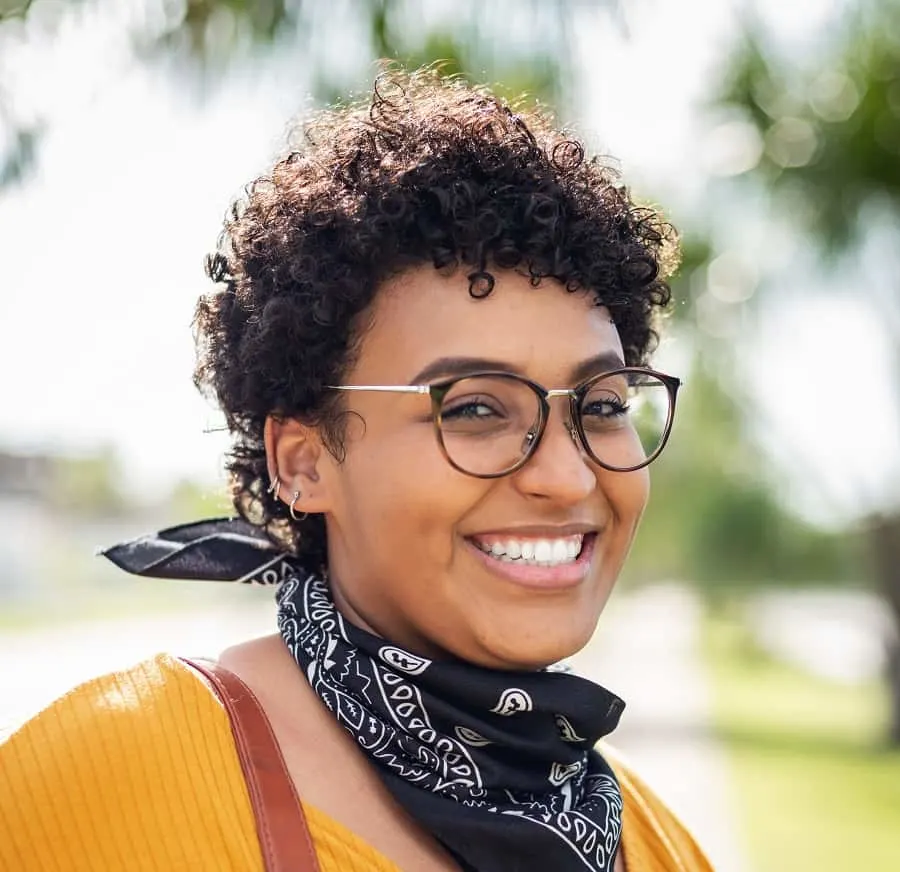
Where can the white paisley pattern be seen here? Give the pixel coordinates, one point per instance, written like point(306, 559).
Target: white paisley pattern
point(402, 710)
point(409, 746)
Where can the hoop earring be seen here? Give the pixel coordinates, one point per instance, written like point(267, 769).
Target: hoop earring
point(293, 514)
point(273, 488)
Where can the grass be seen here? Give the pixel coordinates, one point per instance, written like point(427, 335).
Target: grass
point(816, 788)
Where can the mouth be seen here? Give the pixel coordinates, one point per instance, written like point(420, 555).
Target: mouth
point(543, 561)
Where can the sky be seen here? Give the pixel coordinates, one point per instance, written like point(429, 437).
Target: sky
point(102, 250)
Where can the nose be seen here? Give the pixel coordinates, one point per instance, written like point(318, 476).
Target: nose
point(558, 470)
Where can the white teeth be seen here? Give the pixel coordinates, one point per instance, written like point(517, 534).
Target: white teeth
point(540, 552)
point(543, 551)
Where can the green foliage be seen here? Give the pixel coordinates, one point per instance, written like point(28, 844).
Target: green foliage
point(745, 537)
point(832, 162)
point(13, 8)
point(714, 517)
point(696, 253)
point(211, 31)
point(831, 132)
point(199, 39)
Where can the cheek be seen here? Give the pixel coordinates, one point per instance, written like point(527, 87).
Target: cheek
point(399, 487)
point(627, 493)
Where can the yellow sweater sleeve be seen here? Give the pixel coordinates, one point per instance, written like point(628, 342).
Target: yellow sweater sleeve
point(137, 770)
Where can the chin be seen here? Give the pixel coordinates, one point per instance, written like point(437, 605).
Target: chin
point(527, 651)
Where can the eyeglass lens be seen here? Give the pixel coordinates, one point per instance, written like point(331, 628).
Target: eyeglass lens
point(488, 423)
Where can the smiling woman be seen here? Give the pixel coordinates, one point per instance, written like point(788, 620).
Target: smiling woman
point(412, 567)
point(430, 339)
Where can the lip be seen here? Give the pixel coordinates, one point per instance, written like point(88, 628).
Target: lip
point(550, 578)
point(536, 531)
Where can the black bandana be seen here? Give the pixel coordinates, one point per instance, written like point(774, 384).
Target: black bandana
point(499, 766)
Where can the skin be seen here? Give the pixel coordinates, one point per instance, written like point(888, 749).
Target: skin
point(400, 519)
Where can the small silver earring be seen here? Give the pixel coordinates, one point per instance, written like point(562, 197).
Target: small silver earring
point(273, 488)
point(293, 514)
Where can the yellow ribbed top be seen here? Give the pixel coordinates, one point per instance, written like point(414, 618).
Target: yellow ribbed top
point(137, 770)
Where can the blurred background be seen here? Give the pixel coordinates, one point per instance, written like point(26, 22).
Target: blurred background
point(755, 635)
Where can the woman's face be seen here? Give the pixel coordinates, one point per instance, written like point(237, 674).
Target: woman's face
point(407, 533)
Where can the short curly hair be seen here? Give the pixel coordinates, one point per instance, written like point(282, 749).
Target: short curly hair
point(428, 170)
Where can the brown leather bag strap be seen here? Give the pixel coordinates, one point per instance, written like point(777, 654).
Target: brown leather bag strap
point(280, 823)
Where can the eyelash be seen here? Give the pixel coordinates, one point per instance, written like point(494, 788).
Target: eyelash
point(456, 411)
point(619, 408)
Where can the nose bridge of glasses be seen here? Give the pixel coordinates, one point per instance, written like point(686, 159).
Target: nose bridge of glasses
point(566, 416)
point(536, 432)
point(572, 395)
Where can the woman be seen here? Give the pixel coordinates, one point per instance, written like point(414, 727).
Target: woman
point(429, 336)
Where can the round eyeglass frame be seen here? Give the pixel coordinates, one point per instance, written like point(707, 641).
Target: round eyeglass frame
point(438, 391)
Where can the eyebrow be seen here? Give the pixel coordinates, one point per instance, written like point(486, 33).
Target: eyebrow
point(447, 367)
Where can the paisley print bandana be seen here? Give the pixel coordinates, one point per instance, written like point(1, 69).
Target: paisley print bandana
point(498, 766)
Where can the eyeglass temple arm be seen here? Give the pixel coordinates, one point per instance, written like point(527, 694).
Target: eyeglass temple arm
point(395, 389)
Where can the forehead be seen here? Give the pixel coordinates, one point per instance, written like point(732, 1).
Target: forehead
point(421, 315)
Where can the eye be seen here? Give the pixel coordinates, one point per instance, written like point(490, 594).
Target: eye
point(610, 407)
point(603, 412)
point(471, 408)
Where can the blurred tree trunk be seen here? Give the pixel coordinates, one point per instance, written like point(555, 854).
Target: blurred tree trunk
point(884, 539)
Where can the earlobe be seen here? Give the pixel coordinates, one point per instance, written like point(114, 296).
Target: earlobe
point(293, 453)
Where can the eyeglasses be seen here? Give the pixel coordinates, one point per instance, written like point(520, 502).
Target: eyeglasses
point(489, 424)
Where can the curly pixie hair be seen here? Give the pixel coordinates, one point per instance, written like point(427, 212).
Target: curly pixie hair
point(429, 170)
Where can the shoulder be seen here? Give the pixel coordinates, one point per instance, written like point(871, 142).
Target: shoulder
point(653, 838)
point(112, 712)
point(115, 760)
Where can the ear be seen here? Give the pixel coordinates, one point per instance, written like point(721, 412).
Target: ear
point(294, 452)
